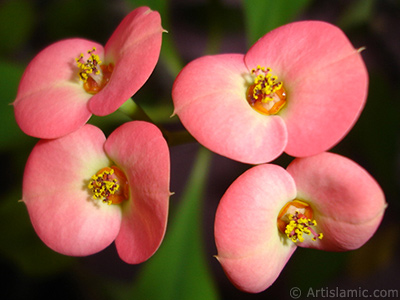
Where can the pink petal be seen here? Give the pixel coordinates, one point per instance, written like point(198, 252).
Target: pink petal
point(348, 203)
point(139, 149)
point(51, 101)
point(134, 49)
point(55, 191)
point(210, 99)
point(325, 79)
point(250, 248)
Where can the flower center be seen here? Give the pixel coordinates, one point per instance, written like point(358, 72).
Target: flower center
point(110, 185)
point(266, 95)
point(295, 219)
point(94, 75)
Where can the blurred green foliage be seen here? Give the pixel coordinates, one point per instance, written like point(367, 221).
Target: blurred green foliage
point(17, 21)
point(180, 268)
point(264, 15)
point(11, 136)
point(358, 13)
point(22, 245)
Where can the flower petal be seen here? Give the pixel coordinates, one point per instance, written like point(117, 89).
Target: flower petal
point(139, 149)
point(250, 248)
point(326, 82)
point(55, 192)
point(51, 101)
point(134, 48)
point(348, 203)
point(210, 99)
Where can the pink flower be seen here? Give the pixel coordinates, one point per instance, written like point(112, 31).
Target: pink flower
point(299, 89)
point(72, 79)
point(326, 202)
point(83, 191)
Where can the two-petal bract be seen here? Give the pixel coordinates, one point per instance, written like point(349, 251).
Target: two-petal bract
point(325, 80)
point(347, 203)
point(51, 101)
point(62, 209)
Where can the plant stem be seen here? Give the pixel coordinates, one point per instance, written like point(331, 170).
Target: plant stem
point(134, 111)
point(174, 138)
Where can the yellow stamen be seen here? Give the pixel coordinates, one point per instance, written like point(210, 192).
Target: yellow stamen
point(110, 185)
point(295, 219)
point(94, 75)
point(266, 95)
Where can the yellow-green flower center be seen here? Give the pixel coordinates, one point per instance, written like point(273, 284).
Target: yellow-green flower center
point(295, 219)
point(110, 185)
point(94, 75)
point(266, 94)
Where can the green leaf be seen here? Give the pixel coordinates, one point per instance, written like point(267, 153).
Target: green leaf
point(179, 268)
point(264, 15)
